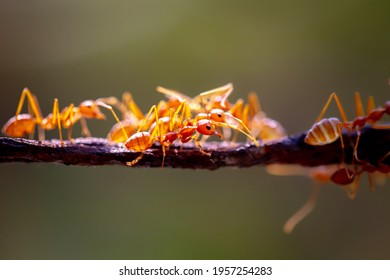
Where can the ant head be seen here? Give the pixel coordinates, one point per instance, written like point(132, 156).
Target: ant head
point(343, 176)
point(89, 109)
point(217, 115)
point(207, 127)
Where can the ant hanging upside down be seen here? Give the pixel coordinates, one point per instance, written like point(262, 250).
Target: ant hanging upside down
point(326, 131)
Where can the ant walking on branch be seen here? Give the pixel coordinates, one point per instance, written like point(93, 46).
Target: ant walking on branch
point(22, 124)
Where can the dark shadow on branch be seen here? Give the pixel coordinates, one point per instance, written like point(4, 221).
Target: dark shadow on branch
point(374, 144)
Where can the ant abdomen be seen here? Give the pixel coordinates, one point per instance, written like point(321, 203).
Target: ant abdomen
point(324, 132)
point(139, 142)
point(19, 126)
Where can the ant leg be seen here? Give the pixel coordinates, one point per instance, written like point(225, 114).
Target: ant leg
point(156, 134)
point(371, 182)
point(143, 123)
point(156, 119)
point(379, 178)
point(236, 110)
point(70, 129)
point(355, 154)
point(202, 103)
point(203, 139)
point(351, 192)
point(352, 195)
point(65, 115)
point(133, 162)
point(340, 107)
point(158, 131)
point(41, 134)
point(339, 129)
point(31, 135)
point(108, 107)
point(174, 119)
point(67, 119)
point(56, 118)
point(128, 100)
point(33, 103)
point(33, 106)
point(245, 115)
point(350, 176)
point(254, 104)
point(38, 109)
point(71, 117)
point(84, 127)
point(197, 143)
point(225, 90)
point(161, 106)
point(239, 121)
point(370, 104)
point(229, 90)
point(381, 126)
point(378, 126)
point(359, 105)
point(41, 131)
point(185, 112)
point(173, 94)
point(164, 154)
point(305, 210)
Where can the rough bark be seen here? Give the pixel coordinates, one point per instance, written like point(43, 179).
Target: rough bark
point(374, 144)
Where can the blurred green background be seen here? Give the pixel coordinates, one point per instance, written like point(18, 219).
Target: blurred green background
point(293, 54)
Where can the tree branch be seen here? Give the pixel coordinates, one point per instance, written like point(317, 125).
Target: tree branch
point(374, 144)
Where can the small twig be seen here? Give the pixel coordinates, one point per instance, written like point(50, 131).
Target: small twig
point(374, 144)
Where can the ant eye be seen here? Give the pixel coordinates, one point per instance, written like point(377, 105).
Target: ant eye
point(220, 115)
point(205, 127)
